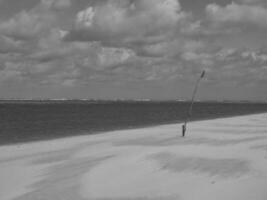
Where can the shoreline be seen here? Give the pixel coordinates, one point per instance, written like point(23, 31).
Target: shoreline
point(126, 128)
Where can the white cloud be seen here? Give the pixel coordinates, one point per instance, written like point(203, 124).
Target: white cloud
point(113, 56)
point(237, 13)
point(127, 20)
point(85, 17)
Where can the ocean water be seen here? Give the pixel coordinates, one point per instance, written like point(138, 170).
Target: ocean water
point(23, 121)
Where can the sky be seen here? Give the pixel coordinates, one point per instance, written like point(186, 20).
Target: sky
point(133, 49)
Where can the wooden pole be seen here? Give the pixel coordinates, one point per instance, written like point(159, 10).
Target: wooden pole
point(189, 113)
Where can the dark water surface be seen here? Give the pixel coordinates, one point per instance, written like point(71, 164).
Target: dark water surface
point(22, 121)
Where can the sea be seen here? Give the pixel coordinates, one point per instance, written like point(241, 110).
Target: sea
point(26, 121)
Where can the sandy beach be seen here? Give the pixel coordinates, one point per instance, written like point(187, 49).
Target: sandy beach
point(218, 159)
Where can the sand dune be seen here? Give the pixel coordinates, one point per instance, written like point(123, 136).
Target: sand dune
point(218, 159)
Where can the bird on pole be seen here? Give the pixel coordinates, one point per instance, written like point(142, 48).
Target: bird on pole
point(189, 113)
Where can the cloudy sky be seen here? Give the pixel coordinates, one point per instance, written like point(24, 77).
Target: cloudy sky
point(108, 49)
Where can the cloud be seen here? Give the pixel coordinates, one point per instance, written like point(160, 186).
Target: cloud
point(140, 40)
point(170, 48)
point(252, 2)
point(108, 57)
point(57, 4)
point(7, 45)
point(7, 75)
point(127, 21)
point(69, 77)
point(10, 73)
point(54, 62)
point(36, 22)
point(26, 25)
point(239, 66)
point(119, 41)
point(237, 13)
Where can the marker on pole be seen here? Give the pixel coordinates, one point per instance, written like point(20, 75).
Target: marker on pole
point(189, 113)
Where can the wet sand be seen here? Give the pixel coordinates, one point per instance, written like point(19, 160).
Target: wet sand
point(218, 159)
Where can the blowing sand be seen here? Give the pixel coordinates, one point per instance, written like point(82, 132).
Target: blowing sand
point(218, 159)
